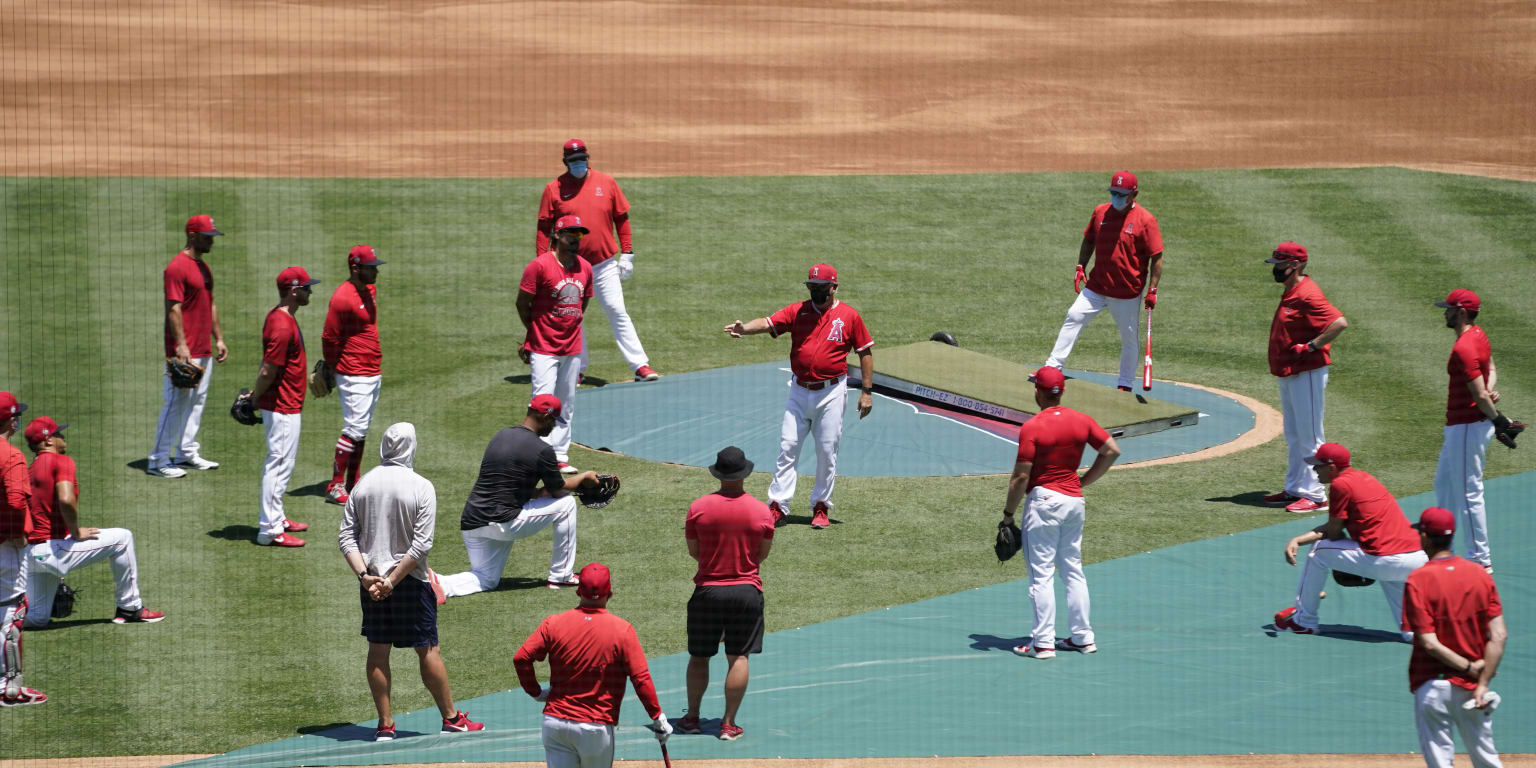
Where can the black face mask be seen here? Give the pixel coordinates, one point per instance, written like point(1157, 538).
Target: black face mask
point(1280, 271)
point(820, 293)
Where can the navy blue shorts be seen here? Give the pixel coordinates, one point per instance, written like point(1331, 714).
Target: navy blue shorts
point(732, 615)
point(408, 619)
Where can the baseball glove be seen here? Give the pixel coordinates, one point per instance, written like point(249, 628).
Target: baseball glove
point(321, 380)
point(183, 375)
point(599, 494)
point(244, 409)
point(1009, 541)
point(945, 337)
point(1506, 431)
point(1344, 579)
point(64, 601)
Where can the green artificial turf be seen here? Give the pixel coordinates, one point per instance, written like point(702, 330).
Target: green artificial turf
point(260, 644)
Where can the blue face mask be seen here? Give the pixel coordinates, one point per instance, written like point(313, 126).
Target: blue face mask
point(578, 168)
point(1119, 201)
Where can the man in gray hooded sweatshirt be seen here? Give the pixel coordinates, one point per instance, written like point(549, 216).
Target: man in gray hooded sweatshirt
point(386, 533)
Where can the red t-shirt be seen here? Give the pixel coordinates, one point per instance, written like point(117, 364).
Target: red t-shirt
point(1471, 357)
point(15, 509)
point(190, 282)
point(1303, 314)
point(1370, 514)
point(1123, 246)
point(591, 652)
point(730, 530)
point(49, 469)
point(1455, 599)
point(598, 201)
point(819, 342)
point(1053, 440)
point(350, 340)
point(283, 346)
point(558, 294)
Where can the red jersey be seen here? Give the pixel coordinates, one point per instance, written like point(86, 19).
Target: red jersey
point(190, 282)
point(819, 342)
point(1370, 514)
point(591, 652)
point(1455, 599)
point(558, 294)
point(48, 470)
point(730, 530)
point(15, 509)
point(282, 345)
point(598, 201)
point(350, 340)
point(1471, 357)
point(1123, 246)
point(1053, 440)
point(1303, 314)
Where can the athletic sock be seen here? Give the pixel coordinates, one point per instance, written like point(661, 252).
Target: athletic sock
point(355, 462)
point(345, 450)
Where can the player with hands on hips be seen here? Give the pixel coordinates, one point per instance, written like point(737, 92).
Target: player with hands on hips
point(551, 302)
point(1366, 535)
point(1299, 336)
point(1126, 246)
point(279, 395)
point(352, 356)
point(596, 198)
point(591, 652)
point(1051, 445)
point(190, 317)
point(821, 332)
point(15, 527)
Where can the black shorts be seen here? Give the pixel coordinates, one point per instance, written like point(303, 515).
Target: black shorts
point(408, 619)
point(730, 614)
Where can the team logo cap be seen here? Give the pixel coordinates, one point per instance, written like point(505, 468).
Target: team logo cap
point(545, 405)
point(202, 224)
point(1437, 522)
point(1288, 251)
point(294, 277)
point(571, 222)
point(43, 428)
point(363, 256)
point(1123, 182)
point(575, 149)
point(9, 406)
point(822, 273)
point(1461, 298)
point(1332, 454)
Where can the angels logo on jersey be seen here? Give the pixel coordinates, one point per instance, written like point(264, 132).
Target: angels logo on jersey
point(836, 334)
point(567, 295)
point(598, 193)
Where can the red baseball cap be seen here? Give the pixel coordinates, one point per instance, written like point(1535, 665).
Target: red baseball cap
point(363, 256)
point(822, 273)
point(1332, 454)
point(575, 149)
point(1461, 298)
point(1050, 379)
point(42, 428)
point(9, 406)
point(594, 581)
point(202, 224)
point(294, 277)
point(571, 222)
point(545, 404)
point(1123, 182)
point(1437, 522)
point(1288, 251)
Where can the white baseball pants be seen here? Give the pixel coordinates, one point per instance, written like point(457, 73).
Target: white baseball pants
point(1301, 410)
point(53, 560)
point(359, 395)
point(180, 416)
point(1082, 311)
point(569, 744)
point(1390, 571)
point(13, 612)
point(610, 294)
point(1459, 485)
point(282, 453)
point(489, 545)
point(820, 414)
point(556, 375)
point(1053, 538)
point(1437, 705)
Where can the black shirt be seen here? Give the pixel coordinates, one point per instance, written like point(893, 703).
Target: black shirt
point(514, 463)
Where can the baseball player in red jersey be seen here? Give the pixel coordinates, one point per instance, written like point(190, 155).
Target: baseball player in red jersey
point(1299, 336)
point(1471, 420)
point(351, 347)
point(279, 393)
point(15, 527)
point(821, 333)
point(59, 544)
point(1126, 246)
point(1366, 535)
point(190, 317)
point(1452, 608)
point(590, 652)
point(595, 198)
point(551, 301)
point(1051, 448)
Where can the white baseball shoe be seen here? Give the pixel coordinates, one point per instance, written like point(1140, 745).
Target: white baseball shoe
point(1031, 652)
point(1066, 644)
point(198, 463)
point(166, 471)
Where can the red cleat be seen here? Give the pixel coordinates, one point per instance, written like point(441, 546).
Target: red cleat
point(819, 518)
point(460, 723)
point(779, 515)
point(281, 540)
point(293, 527)
point(1285, 623)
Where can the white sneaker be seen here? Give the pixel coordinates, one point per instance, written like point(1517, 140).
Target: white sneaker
point(198, 463)
point(166, 471)
point(1031, 652)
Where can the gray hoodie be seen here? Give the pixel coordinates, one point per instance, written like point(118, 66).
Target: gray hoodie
point(392, 510)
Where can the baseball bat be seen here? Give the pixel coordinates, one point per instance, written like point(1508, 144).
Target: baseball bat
point(665, 758)
point(1146, 368)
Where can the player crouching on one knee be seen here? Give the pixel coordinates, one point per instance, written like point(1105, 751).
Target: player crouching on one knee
point(1366, 535)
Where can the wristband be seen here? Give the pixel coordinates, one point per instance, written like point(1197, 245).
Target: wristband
point(867, 390)
point(1468, 670)
point(361, 576)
